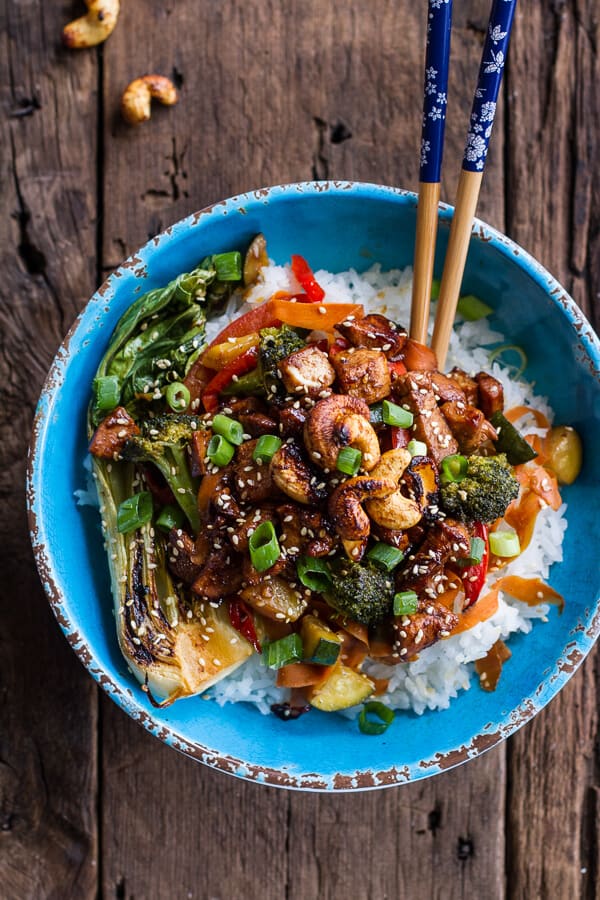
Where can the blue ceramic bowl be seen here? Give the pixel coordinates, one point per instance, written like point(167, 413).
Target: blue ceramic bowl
point(336, 226)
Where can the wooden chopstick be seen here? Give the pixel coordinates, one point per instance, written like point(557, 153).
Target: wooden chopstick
point(480, 129)
point(435, 92)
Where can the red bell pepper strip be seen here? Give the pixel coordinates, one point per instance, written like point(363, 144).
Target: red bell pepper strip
point(338, 345)
point(400, 437)
point(263, 316)
point(241, 619)
point(397, 368)
point(238, 366)
point(304, 274)
point(473, 577)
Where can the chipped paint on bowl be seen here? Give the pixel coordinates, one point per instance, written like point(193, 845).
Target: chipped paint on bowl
point(336, 225)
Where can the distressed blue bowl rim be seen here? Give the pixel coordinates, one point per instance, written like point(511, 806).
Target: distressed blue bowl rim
point(555, 677)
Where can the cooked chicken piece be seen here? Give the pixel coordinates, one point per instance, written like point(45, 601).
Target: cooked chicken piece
point(292, 417)
point(491, 394)
point(253, 481)
point(252, 576)
point(415, 391)
point(423, 571)
point(305, 531)
point(290, 472)
point(363, 373)
point(468, 425)
point(198, 450)
point(398, 539)
point(246, 523)
point(243, 405)
point(112, 433)
point(467, 384)
point(184, 560)
point(220, 576)
point(224, 501)
point(257, 423)
point(446, 388)
point(374, 332)
point(308, 368)
point(422, 629)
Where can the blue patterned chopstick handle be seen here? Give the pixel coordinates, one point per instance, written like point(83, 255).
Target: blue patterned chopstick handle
point(435, 91)
point(488, 84)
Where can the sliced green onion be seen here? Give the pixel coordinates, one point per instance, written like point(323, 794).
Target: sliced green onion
point(472, 308)
point(134, 512)
point(170, 517)
point(229, 428)
point(228, 266)
point(264, 547)
point(454, 468)
point(499, 352)
point(405, 603)
point(313, 573)
point(417, 448)
point(381, 711)
point(385, 556)
point(178, 396)
point(477, 550)
point(219, 451)
point(107, 392)
point(349, 460)
point(435, 289)
point(396, 415)
point(505, 543)
point(376, 414)
point(280, 653)
point(266, 447)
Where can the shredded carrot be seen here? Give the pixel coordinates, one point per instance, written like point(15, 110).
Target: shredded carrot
point(544, 484)
point(532, 591)
point(448, 597)
point(489, 668)
point(381, 685)
point(521, 516)
point(298, 675)
point(517, 411)
point(309, 315)
point(485, 607)
point(353, 652)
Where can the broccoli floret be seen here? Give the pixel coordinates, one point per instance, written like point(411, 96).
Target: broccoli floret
point(275, 345)
point(362, 593)
point(484, 494)
point(163, 442)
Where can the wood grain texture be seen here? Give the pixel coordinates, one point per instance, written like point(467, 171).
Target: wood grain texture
point(48, 824)
point(553, 154)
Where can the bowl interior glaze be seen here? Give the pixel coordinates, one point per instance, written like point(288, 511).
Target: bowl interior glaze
point(336, 226)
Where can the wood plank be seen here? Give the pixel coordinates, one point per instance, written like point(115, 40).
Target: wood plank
point(553, 153)
point(271, 96)
point(48, 835)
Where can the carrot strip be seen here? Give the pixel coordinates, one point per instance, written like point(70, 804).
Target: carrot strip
point(544, 484)
point(381, 685)
point(522, 515)
point(298, 675)
point(309, 315)
point(517, 411)
point(532, 591)
point(485, 607)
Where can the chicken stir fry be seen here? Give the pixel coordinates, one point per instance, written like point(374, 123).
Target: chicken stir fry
point(308, 487)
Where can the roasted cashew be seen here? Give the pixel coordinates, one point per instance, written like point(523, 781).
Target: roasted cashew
point(135, 102)
point(340, 421)
point(94, 27)
point(349, 518)
point(394, 511)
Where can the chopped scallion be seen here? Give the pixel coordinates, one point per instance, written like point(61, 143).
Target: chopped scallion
point(435, 288)
point(228, 266)
point(134, 512)
point(381, 711)
point(219, 451)
point(417, 448)
point(477, 550)
point(405, 603)
point(454, 468)
point(313, 573)
point(504, 543)
point(229, 428)
point(472, 308)
point(349, 460)
point(396, 415)
point(107, 392)
point(170, 517)
point(499, 354)
point(264, 547)
point(280, 653)
point(178, 396)
point(266, 447)
point(385, 556)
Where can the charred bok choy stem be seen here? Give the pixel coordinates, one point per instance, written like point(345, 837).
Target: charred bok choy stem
point(130, 419)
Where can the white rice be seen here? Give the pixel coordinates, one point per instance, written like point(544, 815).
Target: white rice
point(441, 671)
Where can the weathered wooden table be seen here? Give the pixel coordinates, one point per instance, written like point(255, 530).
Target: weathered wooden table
point(271, 91)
